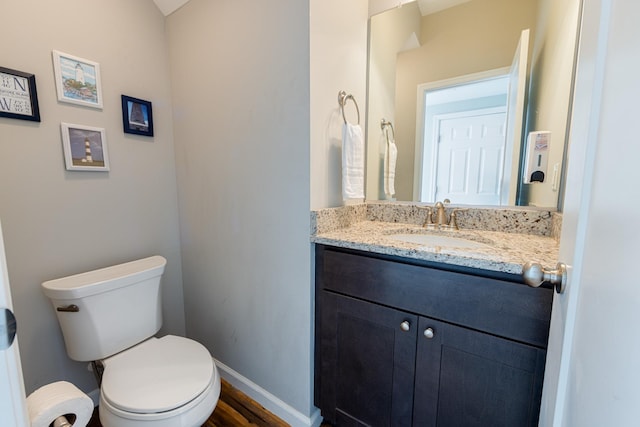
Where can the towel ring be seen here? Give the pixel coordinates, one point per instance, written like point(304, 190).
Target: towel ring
point(342, 100)
point(384, 124)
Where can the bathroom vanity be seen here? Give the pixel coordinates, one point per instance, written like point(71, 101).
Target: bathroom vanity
point(421, 340)
point(402, 342)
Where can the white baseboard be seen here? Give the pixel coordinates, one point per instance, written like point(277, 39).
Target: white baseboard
point(270, 402)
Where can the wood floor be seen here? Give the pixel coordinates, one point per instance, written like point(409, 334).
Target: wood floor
point(234, 409)
point(237, 409)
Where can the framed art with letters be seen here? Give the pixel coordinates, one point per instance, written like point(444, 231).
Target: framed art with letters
point(18, 95)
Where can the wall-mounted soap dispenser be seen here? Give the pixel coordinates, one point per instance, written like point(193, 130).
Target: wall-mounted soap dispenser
point(537, 152)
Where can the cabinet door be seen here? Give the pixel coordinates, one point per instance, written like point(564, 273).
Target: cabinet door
point(368, 363)
point(468, 378)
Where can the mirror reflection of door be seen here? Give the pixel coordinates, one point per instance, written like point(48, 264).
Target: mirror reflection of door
point(470, 156)
point(453, 134)
point(472, 134)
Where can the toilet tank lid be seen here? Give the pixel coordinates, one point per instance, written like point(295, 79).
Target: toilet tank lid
point(104, 279)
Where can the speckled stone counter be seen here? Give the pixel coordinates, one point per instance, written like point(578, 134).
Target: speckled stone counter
point(369, 227)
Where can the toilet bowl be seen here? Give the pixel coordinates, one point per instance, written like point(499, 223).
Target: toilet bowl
point(170, 381)
point(111, 316)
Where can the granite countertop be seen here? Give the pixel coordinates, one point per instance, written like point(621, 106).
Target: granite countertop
point(503, 252)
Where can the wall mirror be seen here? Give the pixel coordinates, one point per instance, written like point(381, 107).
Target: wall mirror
point(454, 90)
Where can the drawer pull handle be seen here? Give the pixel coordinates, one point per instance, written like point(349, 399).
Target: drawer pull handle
point(405, 326)
point(428, 333)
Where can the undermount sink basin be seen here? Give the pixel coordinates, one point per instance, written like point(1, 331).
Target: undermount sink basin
point(436, 240)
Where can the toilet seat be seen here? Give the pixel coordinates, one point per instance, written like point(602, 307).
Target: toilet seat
point(160, 379)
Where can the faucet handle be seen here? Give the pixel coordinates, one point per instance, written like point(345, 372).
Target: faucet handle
point(452, 220)
point(453, 223)
point(428, 221)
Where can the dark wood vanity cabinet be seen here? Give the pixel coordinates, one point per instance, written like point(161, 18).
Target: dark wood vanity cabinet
point(408, 343)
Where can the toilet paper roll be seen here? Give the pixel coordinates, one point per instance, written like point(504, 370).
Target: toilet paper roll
point(57, 399)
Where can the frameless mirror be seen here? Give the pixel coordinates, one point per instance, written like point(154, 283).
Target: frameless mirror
point(455, 90)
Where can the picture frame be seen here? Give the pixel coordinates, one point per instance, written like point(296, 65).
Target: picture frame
point(137, 116)
point(85, 148)
point(77, 80)
point(18, 95)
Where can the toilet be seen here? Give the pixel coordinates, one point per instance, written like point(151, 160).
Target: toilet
point(110, 317)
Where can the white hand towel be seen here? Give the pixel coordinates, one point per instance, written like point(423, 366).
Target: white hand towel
point(390, 158)
point(352, 162)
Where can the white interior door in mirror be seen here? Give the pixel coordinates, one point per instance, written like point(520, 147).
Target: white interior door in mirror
point(471, 157)
point(465, 97)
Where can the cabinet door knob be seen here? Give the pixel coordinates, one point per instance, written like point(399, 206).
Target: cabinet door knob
point(428, 333)
point(405, 326)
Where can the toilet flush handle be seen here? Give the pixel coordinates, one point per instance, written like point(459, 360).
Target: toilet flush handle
point(69, 309)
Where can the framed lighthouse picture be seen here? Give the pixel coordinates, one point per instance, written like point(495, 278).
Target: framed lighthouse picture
point(77, 80)
point(85, 148)
point(137, 116)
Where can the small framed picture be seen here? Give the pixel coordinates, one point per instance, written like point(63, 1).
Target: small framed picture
point(18, 95)
point(77, 80)
point(137, 116)
point(85, 148)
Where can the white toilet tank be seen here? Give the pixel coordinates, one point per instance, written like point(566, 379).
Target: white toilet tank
point(115, 307)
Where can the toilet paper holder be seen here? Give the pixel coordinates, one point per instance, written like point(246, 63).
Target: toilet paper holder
point(62, 421)
point(59, 404)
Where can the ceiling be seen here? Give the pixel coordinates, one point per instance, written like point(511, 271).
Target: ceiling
point(428, 7)
point(169, 6)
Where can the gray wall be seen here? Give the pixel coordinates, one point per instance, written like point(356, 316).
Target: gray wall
point(245, 152)
point(57, 222)
point(240, 85)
